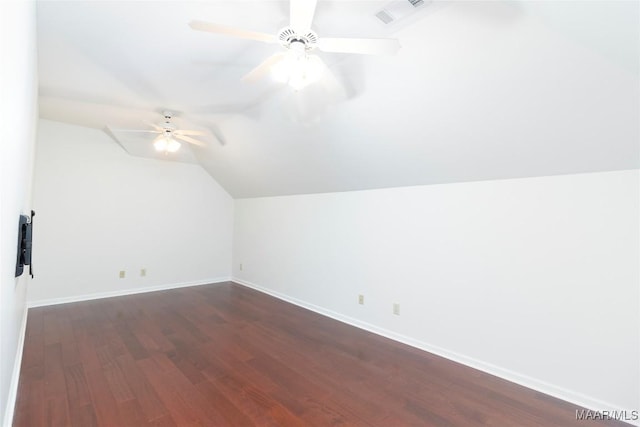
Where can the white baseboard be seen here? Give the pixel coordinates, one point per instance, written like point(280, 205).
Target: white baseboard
point(122, 292)
point(515, 377)
point(15, 376)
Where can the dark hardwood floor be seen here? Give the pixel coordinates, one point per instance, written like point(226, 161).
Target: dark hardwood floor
point(225, 355)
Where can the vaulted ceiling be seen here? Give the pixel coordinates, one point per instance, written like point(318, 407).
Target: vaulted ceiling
point(479, 90)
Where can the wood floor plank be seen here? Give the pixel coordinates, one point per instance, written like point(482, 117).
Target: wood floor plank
point(217, 399)
point(56, 411)
point(78, 394)
point(132, 412)
point(185, 403)
point(35, 322)
point(149, 402)
point(30, 403)
point(51, 328)
point(33, 358)
point(55, 389)
point(135, 348)
point(165, 421)
point(226, 355)
point(253, 402)
point(84, 416)
point(104, 403)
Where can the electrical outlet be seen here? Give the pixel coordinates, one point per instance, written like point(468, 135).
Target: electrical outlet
point(240, 266)
point(396, 309)
point(361, 299)
point(143, 272)
point(122, 274)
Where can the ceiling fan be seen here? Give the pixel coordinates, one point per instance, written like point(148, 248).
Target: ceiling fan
point(295, 65)
point(168, 135)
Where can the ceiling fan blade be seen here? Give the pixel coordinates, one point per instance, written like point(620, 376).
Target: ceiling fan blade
point(135, 130)
point(190, 140)
point(362, 46)
point(189, 132)
point(233, 32)
point(153, 125)
point(264, 67)
point(301, 14)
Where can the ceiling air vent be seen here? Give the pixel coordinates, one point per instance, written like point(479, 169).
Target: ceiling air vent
point(399, 9)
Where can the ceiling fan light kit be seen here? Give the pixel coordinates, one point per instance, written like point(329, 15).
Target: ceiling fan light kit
point(166, 144)
point(297, 68)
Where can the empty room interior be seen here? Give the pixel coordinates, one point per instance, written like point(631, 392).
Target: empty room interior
point(312, 213)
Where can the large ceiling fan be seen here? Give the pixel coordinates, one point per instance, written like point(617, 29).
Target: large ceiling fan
point(169, 136)
point(295, 65)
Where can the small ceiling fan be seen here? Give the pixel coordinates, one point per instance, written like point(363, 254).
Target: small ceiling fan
point(168, 135)
point(295, 65)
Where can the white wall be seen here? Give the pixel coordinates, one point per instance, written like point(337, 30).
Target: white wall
point(534, 279)
point(18, 94)
point(100, 210)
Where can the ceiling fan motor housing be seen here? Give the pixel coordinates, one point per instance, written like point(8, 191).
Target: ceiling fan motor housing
point(288, 36)
point(167, 125)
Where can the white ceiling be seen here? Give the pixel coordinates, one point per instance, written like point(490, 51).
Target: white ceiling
point(480, 90)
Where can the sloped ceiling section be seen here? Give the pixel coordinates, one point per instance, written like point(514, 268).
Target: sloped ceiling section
point(480, 90)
